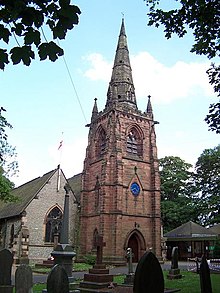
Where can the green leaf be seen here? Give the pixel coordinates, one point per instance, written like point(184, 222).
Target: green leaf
point(4, 33)
point(18, 29)
point(24, 54)
point(50, 50)
point(3, 58)
point(32, 36)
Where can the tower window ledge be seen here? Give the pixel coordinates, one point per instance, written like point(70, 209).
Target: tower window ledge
point(134, 158)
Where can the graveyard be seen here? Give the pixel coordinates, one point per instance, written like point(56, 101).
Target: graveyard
point(148, 276)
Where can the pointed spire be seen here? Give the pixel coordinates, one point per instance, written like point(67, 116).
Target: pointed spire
point(94, 110)
point(121, 87)
point(149, 106)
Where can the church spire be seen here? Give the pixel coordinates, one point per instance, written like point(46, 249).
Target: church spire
point(121, 88)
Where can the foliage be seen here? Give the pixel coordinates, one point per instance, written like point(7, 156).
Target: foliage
point(202, 18)
point(177, 205)
point(213, 118)
point(216, 250)
point(23, 21)
point(5, 187)
point(175, 177)
point(8, 165)
point(207, 179)
point(90, 259)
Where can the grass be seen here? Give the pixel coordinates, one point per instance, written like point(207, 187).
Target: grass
point(77, 267)
point(189, 283)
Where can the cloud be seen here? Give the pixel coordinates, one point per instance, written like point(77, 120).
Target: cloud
point(101, 69)
point(164, 83)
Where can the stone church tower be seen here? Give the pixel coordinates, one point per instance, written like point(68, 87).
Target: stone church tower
point(120, 197)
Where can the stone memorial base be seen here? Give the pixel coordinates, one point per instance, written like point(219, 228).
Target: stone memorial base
point(63, 255)
point(97, 280)
point(129, 279)
point(174, 274)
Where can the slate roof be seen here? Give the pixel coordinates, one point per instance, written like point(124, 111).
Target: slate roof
point(190, 230)
point(25, 193)
point(75, 183)
point(215, 229)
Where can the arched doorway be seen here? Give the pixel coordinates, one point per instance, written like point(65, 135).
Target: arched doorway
point(133, 244)
point(136, 242)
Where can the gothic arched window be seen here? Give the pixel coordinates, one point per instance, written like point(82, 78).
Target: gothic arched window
point(134, 143)
point(101, 143)
point(53, 224)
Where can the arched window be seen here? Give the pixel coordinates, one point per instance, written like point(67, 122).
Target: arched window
point(134, 143)
point(53, 224)
point(101, 143)
point(97, 193)
point(12, 232)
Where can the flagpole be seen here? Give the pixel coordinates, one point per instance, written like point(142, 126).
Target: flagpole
point(60, 149)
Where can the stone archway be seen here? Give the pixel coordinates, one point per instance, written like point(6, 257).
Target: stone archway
point(136, 242)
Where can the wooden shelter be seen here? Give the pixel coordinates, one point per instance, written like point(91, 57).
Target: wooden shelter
point(192, 241)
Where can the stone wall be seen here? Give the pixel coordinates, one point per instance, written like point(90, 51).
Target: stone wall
point(116, 169)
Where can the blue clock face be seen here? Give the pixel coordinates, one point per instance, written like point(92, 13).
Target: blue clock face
point(135, 188)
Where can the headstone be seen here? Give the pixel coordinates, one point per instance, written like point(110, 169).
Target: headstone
point(148, 275)
point(23, 279)
point(129, 278)
point(205, 280)
point(6, 261)
point(130, 264)
point(57, 281)
point(174, 272)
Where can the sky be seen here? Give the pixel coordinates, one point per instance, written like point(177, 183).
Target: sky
point(46, 104)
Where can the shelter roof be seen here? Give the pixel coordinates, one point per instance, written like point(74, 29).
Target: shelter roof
point(215, 229)
point(190, 230)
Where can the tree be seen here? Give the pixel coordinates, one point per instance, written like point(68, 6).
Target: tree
point(202, 17)
point(24, 21)
point(213, 118)
point(207, 179)
point(8, 164)
point(177, 204)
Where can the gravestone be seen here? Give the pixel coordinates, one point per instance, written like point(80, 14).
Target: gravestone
point(98, 277)
point(174, 272)
point(23, 279)
point(148, 275)
point(57, 281)
point(205, 280)
point(129, 279)
point(6, 261)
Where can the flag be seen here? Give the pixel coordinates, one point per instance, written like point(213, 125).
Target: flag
point(61, 144)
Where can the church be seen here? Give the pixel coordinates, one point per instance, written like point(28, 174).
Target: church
point(117, 195)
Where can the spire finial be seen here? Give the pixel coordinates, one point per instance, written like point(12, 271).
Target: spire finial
point(94, 110)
